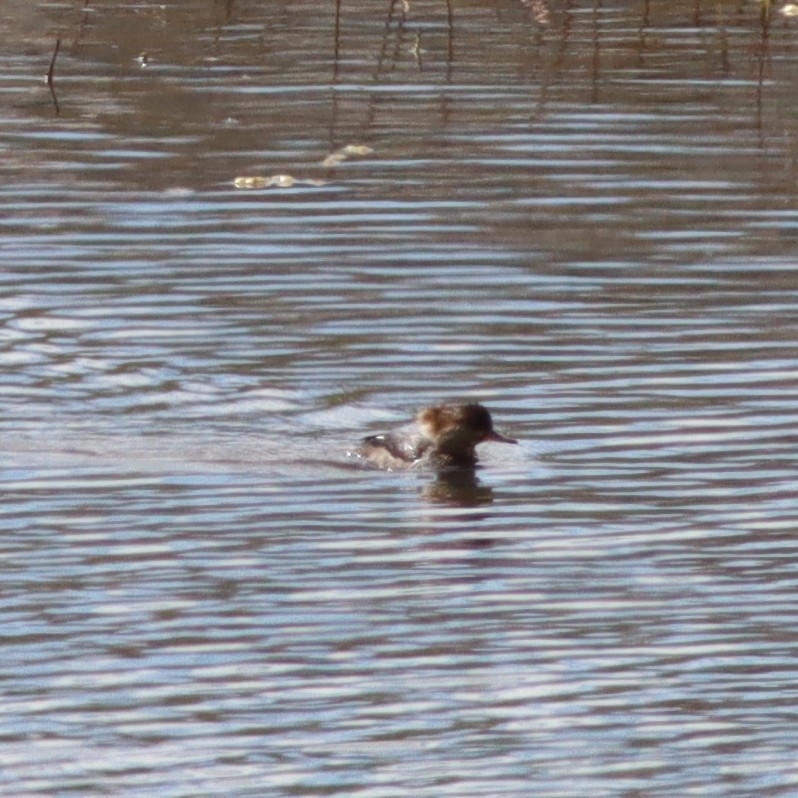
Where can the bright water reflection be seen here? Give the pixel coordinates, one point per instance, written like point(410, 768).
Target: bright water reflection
point(582, 214)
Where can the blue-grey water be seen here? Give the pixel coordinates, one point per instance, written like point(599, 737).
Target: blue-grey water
point(581, 213)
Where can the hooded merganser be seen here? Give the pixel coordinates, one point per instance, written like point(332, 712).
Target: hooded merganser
point(445, 436)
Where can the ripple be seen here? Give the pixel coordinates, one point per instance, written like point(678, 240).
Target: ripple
point(580, 216)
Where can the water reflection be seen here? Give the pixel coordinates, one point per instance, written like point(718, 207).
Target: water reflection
point(459, 487)
point(582, 213)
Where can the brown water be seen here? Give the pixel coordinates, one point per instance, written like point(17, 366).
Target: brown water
point(581, 213)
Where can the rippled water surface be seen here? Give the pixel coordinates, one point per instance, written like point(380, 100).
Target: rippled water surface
point(582, 214)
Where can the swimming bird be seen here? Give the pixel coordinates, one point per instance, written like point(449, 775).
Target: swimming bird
point(444, 436)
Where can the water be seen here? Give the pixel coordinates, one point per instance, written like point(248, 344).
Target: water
point(582, 214)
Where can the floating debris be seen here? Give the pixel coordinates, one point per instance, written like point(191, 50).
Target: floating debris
point(252, 182)
point(539, 10)
point(287, 181)
point(277, 181)
point(357, 149)
point(334, 159)
point(417, 50)
point(349, 151)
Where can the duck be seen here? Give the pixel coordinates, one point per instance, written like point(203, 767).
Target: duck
point(444, 436)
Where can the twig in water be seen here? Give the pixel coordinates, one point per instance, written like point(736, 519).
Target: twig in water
point(51, 72)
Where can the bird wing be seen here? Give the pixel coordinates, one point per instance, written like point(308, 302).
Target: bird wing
point(407, 449)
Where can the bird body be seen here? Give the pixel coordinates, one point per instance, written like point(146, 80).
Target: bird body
point(444, 436)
